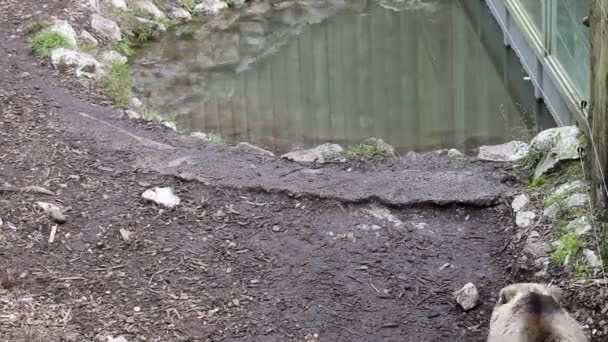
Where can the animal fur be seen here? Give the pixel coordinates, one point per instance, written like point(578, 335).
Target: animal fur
point(529, 312)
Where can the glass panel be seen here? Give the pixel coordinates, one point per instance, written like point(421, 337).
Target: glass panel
point(534, 12)
point(570, 42)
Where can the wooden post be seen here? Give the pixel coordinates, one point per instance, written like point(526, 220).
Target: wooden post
point(597, 159)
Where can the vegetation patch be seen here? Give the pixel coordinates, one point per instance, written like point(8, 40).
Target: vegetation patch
point(189, 4)
point(152, 115)
point(365, 150)
point(561, 196)
point(45, 42)
point(574, 169)
point(540, 183)
point(125, 48)
point(529, 161)
point(216, 137)
point(570, 245)
point(117, 84)
point(583, 271)
point(140, 12)
point(36, 26)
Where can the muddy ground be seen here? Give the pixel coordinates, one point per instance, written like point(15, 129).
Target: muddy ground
point(258, 250)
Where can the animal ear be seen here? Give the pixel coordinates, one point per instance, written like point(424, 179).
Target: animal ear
point(556, 293)
point(505, 296)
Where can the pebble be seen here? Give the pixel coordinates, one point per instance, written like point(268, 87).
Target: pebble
point(467, 297)
point(276, 229)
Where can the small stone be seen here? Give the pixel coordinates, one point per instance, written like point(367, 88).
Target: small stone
point(555, 145)
point(150, 7)
point(131, 114)
point(200, 135)
point(580, 226)
point(125, 235)
point(85, 36)
point(135, 103)
point(24, 74)
point(592, 259)
point(53, 211)
point(107, 28)
point(276, 229)
point(137, 309)
point(180, 14)
point(162, 196)
point(536, 246)
point(519, 202)
point(467, 297)
point(319, 154)
point(454, 153)
point(252, 148)
point(511, 151)
point(524, 219)
point(112, 56)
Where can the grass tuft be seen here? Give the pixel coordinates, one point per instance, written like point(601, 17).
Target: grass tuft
point(36, 26)
point(117, 84)
point(125, 48)
point(556, 198)
point(540, 183)
point(45, 42)
point(189, 4)
point(570, 244)
point(574, 170)
point(152, 115)
point(216, 137)
point(583, 272)
point(366, 150)
point(142, 13)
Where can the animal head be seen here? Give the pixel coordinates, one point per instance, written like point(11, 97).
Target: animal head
point(514, 292)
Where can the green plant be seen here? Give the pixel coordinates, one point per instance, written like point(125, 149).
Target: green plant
point(117, 84)
point(574, 170)
point(529, 160)
point(142, 32)
point(142, 13)
point(215, 137)
point(36, 26)
point(561, 196)
point(574, 213)
point(366, 150)
point(569, 244)
point(189, 4)
point(151, 115)
point(125, 48)
point(540, 183)
point(582, 271)
point(560, 224)
point(45, 42)
point(160, 3)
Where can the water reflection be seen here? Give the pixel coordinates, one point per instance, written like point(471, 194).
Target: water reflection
point(421, 77)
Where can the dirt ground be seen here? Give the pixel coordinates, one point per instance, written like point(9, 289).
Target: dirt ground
point(231, 262)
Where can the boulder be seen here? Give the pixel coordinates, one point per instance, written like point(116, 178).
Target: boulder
point(319, 154)
point(210, 7)
point(179, 14)
point(511, 151)
point(85, 64)
point(106, 28)
point(519, 202)
point(112, 56)
point(577, 200)
point(162, 196)
point(555, 145)
point(150, 7)
point(467, 297)
point(63, 28)
point(85, 36)
point(525, 219)
point(580, 226)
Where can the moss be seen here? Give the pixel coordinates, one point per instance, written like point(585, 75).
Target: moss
point(365, 150)
point(571, 245)
point(540, 183)
point(125, 48)
point(189, 4)
point(45, 42)
point(36, 26)
point(574, 213)
point(558, 197)
point(560, 224)
point(582, 271)
point(573, 170)
point(117, 84)
point(529, 160)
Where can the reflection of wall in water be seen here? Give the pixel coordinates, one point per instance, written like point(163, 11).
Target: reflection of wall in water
point(419, 80)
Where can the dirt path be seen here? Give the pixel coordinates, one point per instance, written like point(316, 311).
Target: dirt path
point(259, 249)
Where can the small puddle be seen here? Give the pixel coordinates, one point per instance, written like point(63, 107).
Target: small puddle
point(423, 75)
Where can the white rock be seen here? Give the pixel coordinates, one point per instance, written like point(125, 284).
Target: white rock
point(131, 114)
point(249, 147)
point(592, 259)
point(116, 339)
point(319, 154)
point(112, 56)
point(135, 103)
point(84, 63)
point(236, 3)
point(454, 153)
point(580, 226)
point(519, 202)
point(200, 135)
point(510, 151)
point(162, 196)
point(555, 145)
point(65, 29)
point(105, 27)
point(150, 7)
point(87, 37)
point(524, 219)
point(570, 186)
point(210, 7)
point(536, 246)
point(180, 13)
point(169, 125)
point(122, 4)
point(54, 211)
point(467, 297)
point(94, 5)
point(573, 201)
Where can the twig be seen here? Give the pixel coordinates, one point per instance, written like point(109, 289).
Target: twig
point(372, 284)
point(52, 235)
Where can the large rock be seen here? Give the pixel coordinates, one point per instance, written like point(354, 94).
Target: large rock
point(578, 200)
point(519, 202)
point(210, 7)
point(151, 8)
point(105, 27)
point(580, 226)
point(122, 4)
point(65, 29)
point(319, 154)
point(85, 64)
point(86, 37)
point(536, 245)
point(511, 151)
point(112, 56)
point(467, 297)
point(568, 187)
point(555, 145)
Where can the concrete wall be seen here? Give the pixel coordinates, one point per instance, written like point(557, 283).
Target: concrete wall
point(597, 154)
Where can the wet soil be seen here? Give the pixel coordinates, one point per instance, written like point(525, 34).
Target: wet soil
point(246, 256)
